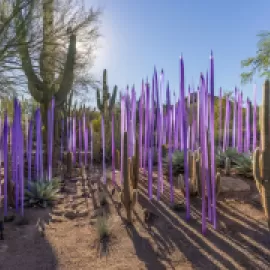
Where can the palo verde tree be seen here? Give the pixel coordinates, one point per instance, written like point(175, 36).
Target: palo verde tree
point(11, 81)
point(260, 63)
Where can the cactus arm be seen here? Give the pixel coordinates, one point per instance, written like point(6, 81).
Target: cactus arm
point(227, 166)
point(198, 172)
point(256, 168)
point(35, 84)
point(113, 98)
point(181, 183)
point(126, 196)
point(136, 165)
point(99, 104)
point(104, 79)
point(68, 73)
point(218, 184)
point(35, 93)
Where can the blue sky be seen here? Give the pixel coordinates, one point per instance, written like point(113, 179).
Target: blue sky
point(138, 35)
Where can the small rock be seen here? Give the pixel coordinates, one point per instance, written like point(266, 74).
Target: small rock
point(58, 212)
point(82, 214)
point(70, 215)
point(57, 219)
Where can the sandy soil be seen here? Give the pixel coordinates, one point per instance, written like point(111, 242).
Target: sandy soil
point(70, 239)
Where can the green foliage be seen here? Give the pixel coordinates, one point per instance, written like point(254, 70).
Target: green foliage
point(103, 229)
point(44, 88)
point(96, 124)
point(177, 163)
point(260, 63)
point(243, 165)
point(106, 104)
point(41, 193)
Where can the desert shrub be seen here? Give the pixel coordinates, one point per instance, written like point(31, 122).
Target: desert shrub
point(96, 124)
point(103, 229)
point(243, 165)
point(240, 162)
point(177, 163)
point(42, 193)
point(97, 155)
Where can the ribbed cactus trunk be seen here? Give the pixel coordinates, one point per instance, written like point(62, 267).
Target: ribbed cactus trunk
point(45, 85)
point(261, 168)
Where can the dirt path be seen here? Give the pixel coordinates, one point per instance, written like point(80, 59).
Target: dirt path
point(70, 239)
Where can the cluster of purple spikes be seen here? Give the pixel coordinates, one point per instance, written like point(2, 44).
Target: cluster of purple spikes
point(171, 126)
point(158, 125)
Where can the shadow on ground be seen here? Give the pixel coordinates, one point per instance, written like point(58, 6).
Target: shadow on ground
point(25, 247)
point(241, 242)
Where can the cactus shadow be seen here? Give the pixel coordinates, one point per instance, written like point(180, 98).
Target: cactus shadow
point(144, 249)
point(142, 245)
point(233, 248)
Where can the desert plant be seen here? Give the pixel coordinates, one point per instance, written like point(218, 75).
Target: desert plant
point(130, 175)
point(164, 150)
point(261, 169)
point(42, 193)
point(243, 165)
point(69, 164)
point(177, 162)
point(117, 159)
point(192, 167)
point(194, 163)
point(227, 166)
point(96, 124)
point(106, 106)
point(103, 229)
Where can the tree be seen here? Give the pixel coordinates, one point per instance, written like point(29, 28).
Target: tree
point(47, 48)
point(260, 63)
point(9, 64)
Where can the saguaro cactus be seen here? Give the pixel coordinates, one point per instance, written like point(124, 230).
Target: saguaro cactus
point(261, 169)
point(106, 104)
point(195, 186)
point(129, 193)
point(44, 86)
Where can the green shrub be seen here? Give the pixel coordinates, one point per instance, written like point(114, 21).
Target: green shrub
point(41, 193)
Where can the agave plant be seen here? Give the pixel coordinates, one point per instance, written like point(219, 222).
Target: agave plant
point(42, 193)
point(244, 165)
point(240, 162)
point(177, 163)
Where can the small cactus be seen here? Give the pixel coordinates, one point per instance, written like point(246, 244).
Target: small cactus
point(261, 169)
point(227, 166)
point(164, 150)
point(117, 159)
point(135, 167)
point(194, 165)
point(69, 164)
point(128, 193)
